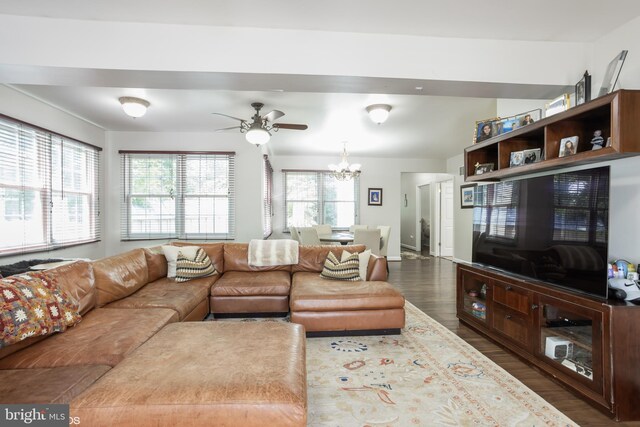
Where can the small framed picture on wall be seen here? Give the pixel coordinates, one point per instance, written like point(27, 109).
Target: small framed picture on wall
point(466, 196)
point(375, 197)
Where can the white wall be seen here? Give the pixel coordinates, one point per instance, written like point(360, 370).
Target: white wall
point(248, 178)
point(22, 107)
point(376, 173)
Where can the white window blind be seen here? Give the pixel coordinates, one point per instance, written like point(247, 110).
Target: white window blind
point(267, 207)
point(49, 189)
point(315, 197)
point(183, 195)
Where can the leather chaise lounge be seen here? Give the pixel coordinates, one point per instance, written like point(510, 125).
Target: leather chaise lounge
point(138, 333)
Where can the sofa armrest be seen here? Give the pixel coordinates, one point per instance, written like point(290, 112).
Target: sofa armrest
point(377, 268)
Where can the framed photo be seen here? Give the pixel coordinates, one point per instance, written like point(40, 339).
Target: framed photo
point(613, 71)
point(533, 155)
point(466, 196)
point(529, 117)
point(557, 105)
point(516, 159)
point(375, 197)
point(483, 168)
point(583, 89)
point(568, 146)
point(485, 129)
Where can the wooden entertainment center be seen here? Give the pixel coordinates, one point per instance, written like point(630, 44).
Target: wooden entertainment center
point(592, 346)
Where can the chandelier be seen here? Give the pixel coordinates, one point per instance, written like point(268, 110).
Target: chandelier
point(343, 171)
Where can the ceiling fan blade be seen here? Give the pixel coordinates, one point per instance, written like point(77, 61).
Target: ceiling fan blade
point(273, 115)
point(229, 128)
point(231, 117)
point(290, 126)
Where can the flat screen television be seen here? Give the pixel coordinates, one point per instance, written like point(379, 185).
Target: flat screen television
point(552, 228)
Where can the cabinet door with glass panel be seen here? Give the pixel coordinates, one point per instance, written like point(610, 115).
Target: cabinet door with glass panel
point(474, 300)
point(571, 340)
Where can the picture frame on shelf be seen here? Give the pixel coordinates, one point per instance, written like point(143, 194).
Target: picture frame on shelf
point(529, 117)
point(568, 146)
point(483, 168)
point(485, 129)
point(375, 197)
point(532, 155)
point(612, 74)
point(466, 196)
point(516, 158)
point(557, 105)
point(583, 89)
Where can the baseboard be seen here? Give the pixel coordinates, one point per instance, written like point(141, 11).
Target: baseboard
point(413, 248)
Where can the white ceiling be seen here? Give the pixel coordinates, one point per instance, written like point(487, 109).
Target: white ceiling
point(435, 122)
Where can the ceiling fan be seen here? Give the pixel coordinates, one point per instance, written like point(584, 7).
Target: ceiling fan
point(258, 128)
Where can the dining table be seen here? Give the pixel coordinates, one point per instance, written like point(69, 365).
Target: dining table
point(343, 237)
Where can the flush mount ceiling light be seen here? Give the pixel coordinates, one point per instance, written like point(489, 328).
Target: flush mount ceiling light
point(378, 113)
point(134, 107)
point(343, 171)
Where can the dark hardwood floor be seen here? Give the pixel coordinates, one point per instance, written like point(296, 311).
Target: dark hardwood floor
point(430, 286)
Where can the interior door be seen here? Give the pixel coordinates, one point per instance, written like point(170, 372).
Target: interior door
point(446, 221)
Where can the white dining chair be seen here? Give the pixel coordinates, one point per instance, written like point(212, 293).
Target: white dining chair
point(369, 238)
point(355, 227)
point(294, 233)
point(323, 228)
point(308, 236)
point(385, 231)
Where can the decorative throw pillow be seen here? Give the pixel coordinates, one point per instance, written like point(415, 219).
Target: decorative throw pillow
point(363, 259)
point(347, 270)
point(171, 254)
point(192, 268)
point(33, 304)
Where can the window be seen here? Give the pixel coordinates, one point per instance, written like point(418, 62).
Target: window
point(267, 189)
point(49, 189)
point(314, 197)
point(177, 195)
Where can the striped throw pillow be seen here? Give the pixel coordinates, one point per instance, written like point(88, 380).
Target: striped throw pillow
point(200, 266)
point(348, 269)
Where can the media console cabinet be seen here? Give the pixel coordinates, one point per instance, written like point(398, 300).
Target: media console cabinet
point(591, 346)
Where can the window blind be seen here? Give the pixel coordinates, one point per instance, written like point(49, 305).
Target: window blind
point(267, 207)
point(315, 197)
point(49, 189)
point(177, 195)
point(497, 215)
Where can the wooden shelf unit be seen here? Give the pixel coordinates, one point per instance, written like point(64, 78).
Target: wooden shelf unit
point(616, 115)
point(520, 316)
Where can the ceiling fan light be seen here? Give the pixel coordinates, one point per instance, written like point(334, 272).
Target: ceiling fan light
point(134, 107)
point(378, 113)
point(257, 136)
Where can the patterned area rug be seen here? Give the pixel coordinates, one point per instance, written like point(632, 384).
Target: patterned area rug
point(412, 255)
point(426, 376)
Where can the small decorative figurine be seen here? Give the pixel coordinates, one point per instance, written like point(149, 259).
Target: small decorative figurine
point(598, 141)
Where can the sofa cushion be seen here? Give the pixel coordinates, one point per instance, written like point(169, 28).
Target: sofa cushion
point(246, 283)
point(311, 258)
point(311, 293)
point(171, 254)
point(47, 385)
point(167, 293)
point(104, 337)
point(363, 262)
point(188, 268)
point(236, 258)
point(215, 251)
point(346, 270)
point(156, 263)
point(33, 304)
point(205, 374)
point(120, 275)
point(78, 281)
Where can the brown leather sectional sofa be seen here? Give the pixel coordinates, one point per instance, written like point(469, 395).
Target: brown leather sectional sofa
point(130, 310)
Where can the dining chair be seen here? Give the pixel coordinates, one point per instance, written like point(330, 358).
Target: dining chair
point(358, 227)
point(385, 231)
point(308, 236)
point(323, 228)
point(369, 238)
point(294, 233)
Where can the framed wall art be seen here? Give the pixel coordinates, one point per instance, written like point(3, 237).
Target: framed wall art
point(375, 196)
point(466, 196)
